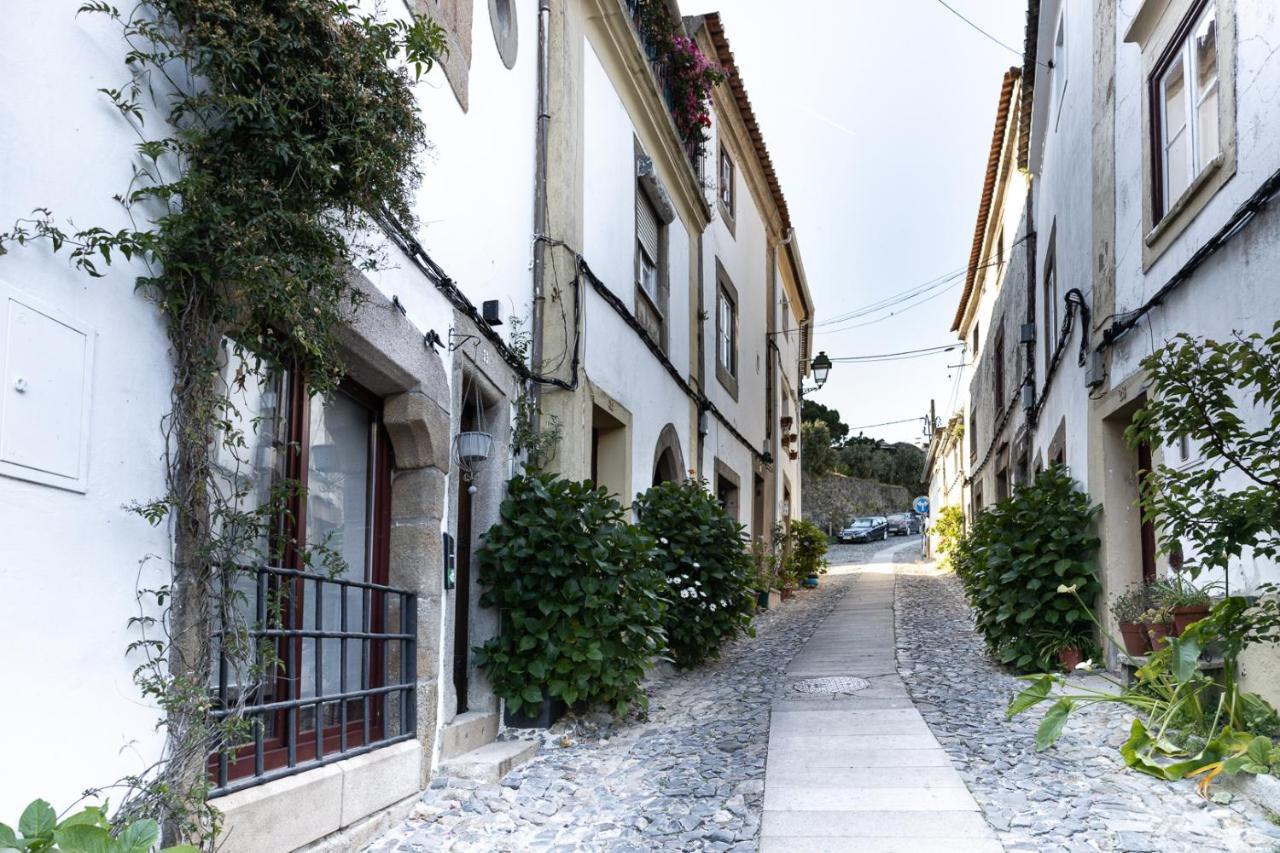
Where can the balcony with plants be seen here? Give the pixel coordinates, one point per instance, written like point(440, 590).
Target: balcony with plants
point(683, 74)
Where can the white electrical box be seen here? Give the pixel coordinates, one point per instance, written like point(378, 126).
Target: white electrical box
point(46, 370)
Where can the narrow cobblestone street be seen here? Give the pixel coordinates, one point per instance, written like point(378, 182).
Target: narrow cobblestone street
point(691, 776)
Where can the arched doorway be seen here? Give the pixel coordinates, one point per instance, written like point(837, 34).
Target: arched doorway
point(668, 461)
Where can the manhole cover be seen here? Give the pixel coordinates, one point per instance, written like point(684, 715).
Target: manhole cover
point(831, 685)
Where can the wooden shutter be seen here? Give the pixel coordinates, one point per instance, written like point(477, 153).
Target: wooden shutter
point(646, 225)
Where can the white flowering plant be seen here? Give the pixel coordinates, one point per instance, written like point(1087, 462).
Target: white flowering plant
point(709, 571)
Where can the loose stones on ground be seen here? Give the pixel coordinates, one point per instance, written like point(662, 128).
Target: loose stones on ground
point(689, 777)
point(1077, 796)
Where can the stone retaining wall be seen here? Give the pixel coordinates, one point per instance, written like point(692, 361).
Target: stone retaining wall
point(831, 500)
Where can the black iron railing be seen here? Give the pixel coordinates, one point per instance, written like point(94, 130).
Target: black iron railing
point(335, 678)
point(692, 146)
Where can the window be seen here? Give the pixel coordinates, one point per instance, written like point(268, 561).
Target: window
point(334, 531)
point(726, 331)
point(726, 183)
point(975, 342)
point(650, 249)
point(997, 357)
point(999, 253)
point(1184, 98)
point(1052, 305)
point(1060, 65)
point(973, 435)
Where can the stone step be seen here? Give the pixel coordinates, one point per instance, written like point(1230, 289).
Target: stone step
point(466, 732)
point(489, 763)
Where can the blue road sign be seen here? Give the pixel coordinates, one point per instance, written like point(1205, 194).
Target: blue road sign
point(921, 505)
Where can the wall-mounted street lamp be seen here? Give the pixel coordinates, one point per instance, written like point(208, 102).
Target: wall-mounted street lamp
point(821, 366)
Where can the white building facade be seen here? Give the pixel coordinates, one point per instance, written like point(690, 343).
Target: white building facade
point(87, 377)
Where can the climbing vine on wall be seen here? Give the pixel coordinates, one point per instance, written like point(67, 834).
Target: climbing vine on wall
point(284, 127)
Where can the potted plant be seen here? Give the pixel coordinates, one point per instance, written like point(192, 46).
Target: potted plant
point(1128, 608)
point(1188, 604)
point(1063, 645)
point(809, 546)
point(1156, 621)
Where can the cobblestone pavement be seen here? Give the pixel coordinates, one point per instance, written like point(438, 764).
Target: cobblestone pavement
point(1077, 796)
point(690, 777)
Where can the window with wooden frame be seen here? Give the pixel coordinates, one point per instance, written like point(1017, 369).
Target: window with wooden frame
point(1184, 96)
point(726, 331)
point(997, 357)
point(726, 183)
point(1052, 303)
point(315, 606)
point(1188, 91)
point(650, 263)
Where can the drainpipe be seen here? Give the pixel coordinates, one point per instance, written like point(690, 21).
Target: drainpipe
point(540, 201)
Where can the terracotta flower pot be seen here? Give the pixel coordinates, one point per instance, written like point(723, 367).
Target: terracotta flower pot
point(1184, 616)
point(787, 592)
point(1069, 657)
point(1159, 635)
point(1136, 641)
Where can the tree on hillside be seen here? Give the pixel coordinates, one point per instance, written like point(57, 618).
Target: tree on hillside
point(817, 456)
point(838, 429)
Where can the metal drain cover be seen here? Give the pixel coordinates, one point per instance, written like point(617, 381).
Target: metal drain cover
point(831, 685)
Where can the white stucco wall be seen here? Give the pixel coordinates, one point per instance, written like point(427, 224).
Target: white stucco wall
point(1234, 291)
point(1061, 154)
point(616, 359)
point(70, 563)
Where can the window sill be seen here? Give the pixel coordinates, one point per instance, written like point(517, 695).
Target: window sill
point(727, 380)
point(1181, 210)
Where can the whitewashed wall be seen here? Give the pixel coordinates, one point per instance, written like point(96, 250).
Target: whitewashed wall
point(70, 562)
point(1061, 155)
point(1235, 290)
point(615, 357)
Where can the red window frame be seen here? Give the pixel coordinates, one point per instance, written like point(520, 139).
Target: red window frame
point(291, 530)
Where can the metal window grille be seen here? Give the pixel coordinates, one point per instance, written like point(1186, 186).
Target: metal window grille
point(307, 712)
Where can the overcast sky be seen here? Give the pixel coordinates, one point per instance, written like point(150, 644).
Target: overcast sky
point(878, 116)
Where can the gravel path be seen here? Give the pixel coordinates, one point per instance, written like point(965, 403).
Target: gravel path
point(1077, 796)
point(690, 777)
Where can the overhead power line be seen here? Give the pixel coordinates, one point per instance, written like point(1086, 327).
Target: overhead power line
point(910, 353)
point(1012, 50)
point(887, 423)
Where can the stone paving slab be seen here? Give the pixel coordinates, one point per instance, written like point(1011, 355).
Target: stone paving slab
point(862, 771)
point(922, 778)
point(822, 844)
point(897, 825)
point(820, 797)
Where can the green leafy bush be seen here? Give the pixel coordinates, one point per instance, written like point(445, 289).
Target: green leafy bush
point(581, 594)
point(1016, 557)
point(948, 528)
point(87, 831)
point(809, 545)
point(709, 573)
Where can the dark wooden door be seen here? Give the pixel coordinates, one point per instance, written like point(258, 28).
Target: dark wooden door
point(1148, 531)
point(462, 598)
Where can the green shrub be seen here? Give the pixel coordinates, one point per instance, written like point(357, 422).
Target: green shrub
point(580, 592)
point(1014, 560)
point(709, 573)
point(87, 831)
point(809, 545)
point(949, 528)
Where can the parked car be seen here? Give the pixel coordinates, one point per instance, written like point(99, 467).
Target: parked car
point(865, 529)
point(905, 524)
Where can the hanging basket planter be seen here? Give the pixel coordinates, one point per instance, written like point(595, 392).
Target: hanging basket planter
point(474, 446)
